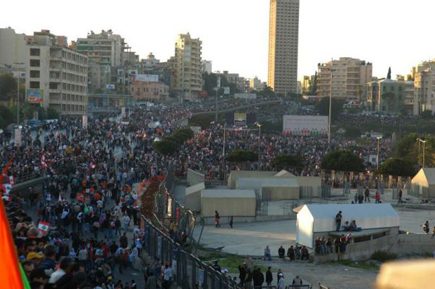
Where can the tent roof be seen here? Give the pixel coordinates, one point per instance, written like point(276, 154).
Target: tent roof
point(237, 194)
point(284, 174)
point(195, 188)
point(351, 211)
point(430, 175)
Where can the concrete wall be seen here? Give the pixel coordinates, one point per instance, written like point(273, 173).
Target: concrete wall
point(194, 178)
point(402, 245)
point(235, 175)
point(278, 194)
point(237, 207)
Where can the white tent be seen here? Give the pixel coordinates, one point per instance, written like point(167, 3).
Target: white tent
point(317, 218)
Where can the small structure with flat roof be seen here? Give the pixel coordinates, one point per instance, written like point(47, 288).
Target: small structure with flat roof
point(236, 203)
point(318, 220)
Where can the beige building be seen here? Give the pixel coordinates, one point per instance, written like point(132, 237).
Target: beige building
point(348, 78)
point(283, 46)
point(256, 84)
point(147, 90)
point(424, 84)
point(186, 80)
point(391, 96)
point(12, 47)
point(60, 72)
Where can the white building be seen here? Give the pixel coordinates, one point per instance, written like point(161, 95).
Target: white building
point(12, 47)
point(206, 66)
point(60, 73)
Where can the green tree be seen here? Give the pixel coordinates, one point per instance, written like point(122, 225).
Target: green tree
point(241, 156)
point(8, 87)
point(323, 107)
point(343, 160)
point(282, 162)
point(427, 114)
point(267, 91)
point(52, 113)
point(391, 100)
point(166, 146)
point(409, 148)
point(7, 116)
point(398, 167)
point(183, 134)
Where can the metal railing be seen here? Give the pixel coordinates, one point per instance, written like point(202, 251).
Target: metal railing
point(188, 270)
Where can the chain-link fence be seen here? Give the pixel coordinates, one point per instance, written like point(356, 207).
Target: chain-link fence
point(189, 271)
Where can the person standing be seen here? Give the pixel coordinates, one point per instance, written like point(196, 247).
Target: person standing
point(426, 227)
point(367, 195)
point(297, 281)
point(217, 219)
point(338, 219)
point(231, 222)
point(281, 283)
point(400, 196)
point(269, 276)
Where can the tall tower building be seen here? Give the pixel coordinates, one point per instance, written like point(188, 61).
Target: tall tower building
point(283, 46)
point(186, 67)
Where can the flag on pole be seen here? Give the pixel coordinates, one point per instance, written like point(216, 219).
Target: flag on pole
point(44, 227)
point(11, 273)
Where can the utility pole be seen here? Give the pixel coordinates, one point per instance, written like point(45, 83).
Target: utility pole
point(377, 158)
point(218, 85)
point(330, 106)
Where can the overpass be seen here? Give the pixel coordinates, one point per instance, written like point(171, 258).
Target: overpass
point(264, 103)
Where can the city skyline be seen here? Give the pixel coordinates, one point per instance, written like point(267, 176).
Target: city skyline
point(235, 35)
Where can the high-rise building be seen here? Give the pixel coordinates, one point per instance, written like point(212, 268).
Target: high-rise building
point(186, 80)
point(12, 47)
point(424, 84)
point(60, 72)
point(346, 78)
point(256, 84)
point(105, 51)
point(206, 66)
point(283, 46)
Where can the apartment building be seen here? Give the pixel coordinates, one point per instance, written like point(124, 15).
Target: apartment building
point(424, 85)
point(186, 79)
point(206, 66)
point(12, 47)
point(391, 96)
point(58, 72)
point(256, 84)
point(149, 91)
point(283, 46)
point(344, 78)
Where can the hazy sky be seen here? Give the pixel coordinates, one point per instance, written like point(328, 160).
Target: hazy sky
point(235, 36)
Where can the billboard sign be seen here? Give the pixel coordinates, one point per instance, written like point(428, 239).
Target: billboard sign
point(85, 121)
point(110, 86)
point(305, 125)
point(146, 78)
point(240, 118)
point(35, 95)
point(227, 90)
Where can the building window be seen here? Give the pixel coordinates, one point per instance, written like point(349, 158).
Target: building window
point(35, 63)
point(34, 84)
point(34, 73)
point(35, 52)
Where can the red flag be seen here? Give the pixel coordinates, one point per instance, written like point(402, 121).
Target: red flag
point(10, 272)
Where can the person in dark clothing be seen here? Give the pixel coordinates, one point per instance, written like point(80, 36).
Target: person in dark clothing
point(291, 253)
point(400, 196)
point(269, 276)
point(242, 274)
point(281, 252)
point(258, 278)
point(337, 243)
point(216, 266)
point(231, 222)
point(338, 219)
point(248, 279)
point(367, 195)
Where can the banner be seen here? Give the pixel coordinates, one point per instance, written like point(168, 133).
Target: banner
point(35, 95)
point(123, 112)
point(240, 118)
point(85, 121)
point(146, 78)
point(17, 140)
point(110, 86)
point(305, 125)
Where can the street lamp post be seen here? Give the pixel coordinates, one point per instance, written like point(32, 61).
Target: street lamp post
point(218, 85)
point(424, 149)
point(224, 151)
point(18, 90)
point(259, 139)
point(377, 158)
point(330, 107)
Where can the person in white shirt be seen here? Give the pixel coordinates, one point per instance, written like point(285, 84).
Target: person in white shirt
point(65, 265)
point(167, 276)
point(281, 283)
point(126, 221)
